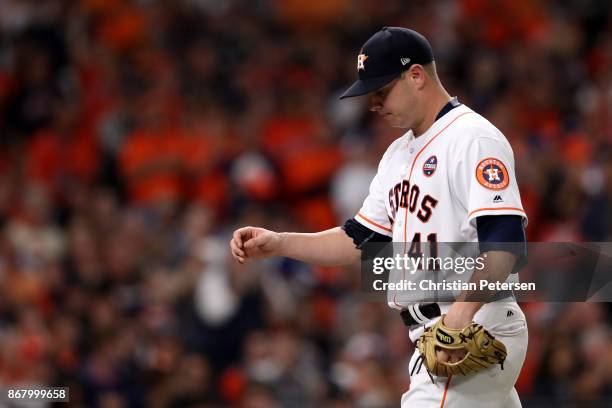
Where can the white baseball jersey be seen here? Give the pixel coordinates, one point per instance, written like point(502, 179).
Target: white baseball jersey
point(432, 188)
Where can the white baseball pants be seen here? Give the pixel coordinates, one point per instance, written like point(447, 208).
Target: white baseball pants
point(491, 388)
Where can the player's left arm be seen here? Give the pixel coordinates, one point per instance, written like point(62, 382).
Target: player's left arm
point(497, 267)
point(486, 184)
point(502, 239)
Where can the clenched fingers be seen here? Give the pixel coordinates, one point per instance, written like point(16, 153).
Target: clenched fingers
point(236, 247)
point(237, 236)
point(237, 252)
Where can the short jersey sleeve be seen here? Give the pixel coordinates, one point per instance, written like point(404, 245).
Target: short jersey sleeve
point(485, 179)
point(373, 212)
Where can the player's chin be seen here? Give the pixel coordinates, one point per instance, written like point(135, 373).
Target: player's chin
point(393, 120)
point(396, 123)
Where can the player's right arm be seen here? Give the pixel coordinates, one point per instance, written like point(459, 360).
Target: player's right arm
point(332, 247)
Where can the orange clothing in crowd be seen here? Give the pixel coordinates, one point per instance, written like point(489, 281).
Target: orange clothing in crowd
point(309, 14)
point(174, 165)
point(305, 161)
point(204, 181)
point(504, 22)
point(123, 28)
point(150, 164)
point(54, 160)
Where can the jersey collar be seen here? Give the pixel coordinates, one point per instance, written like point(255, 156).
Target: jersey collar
point(452, 104)
point(417, 142)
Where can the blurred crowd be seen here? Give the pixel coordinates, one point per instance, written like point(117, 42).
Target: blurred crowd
point(135, 135)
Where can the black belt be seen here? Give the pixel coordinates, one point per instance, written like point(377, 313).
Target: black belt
point(422, 313)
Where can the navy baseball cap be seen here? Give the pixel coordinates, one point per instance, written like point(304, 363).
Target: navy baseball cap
point(386, 55)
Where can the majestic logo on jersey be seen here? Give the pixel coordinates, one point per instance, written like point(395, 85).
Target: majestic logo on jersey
point(430, 166)
point(498, 199)
point(360, 60)
point(492, 174)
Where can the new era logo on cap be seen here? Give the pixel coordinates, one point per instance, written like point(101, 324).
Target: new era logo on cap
point(405, 61)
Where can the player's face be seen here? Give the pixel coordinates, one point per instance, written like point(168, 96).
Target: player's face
point(396, 103)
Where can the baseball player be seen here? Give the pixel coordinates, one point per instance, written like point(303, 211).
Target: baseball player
point(449, 178)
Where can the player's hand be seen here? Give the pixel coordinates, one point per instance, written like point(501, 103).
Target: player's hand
point(456, 322)
point(254, 243)
point(450, 356)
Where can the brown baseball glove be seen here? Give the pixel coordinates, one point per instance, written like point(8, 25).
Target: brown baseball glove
point(482, 350)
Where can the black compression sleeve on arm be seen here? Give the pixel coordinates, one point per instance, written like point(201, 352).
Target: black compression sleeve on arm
point(503, 233)
point(361, 234)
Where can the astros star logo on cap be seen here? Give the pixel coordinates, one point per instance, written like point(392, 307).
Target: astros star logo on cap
point(360, 60)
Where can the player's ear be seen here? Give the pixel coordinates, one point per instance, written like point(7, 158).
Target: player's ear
point(417, 76)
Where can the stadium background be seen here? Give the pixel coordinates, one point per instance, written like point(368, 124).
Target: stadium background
point(136, 135)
